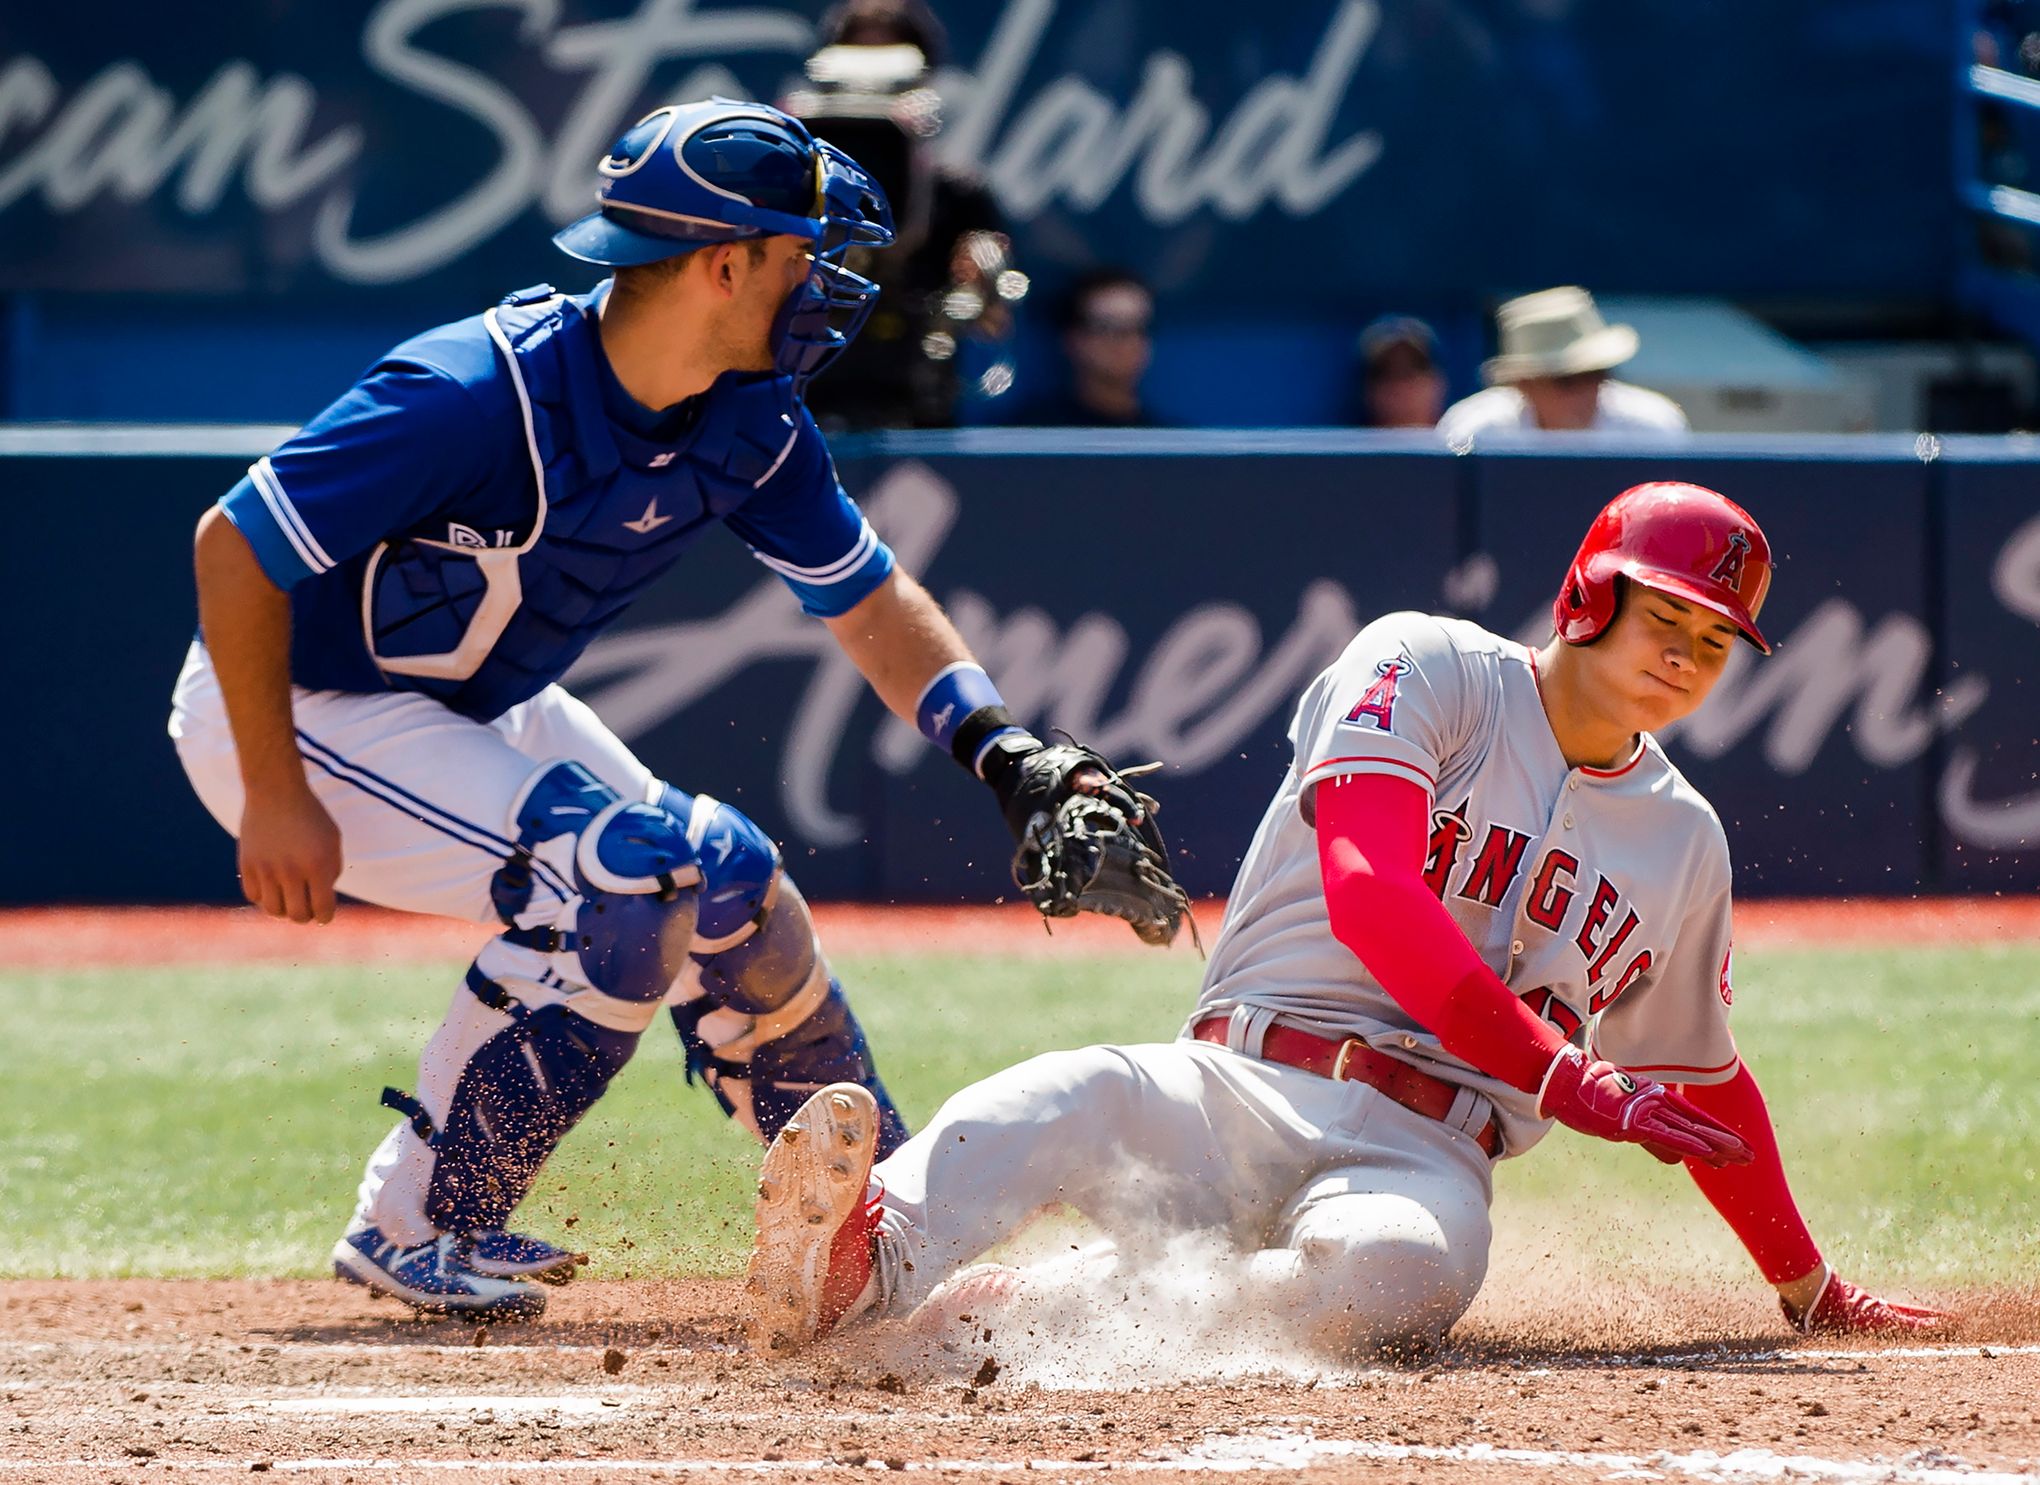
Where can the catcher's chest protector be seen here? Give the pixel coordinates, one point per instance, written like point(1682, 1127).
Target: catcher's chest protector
point(487, 626)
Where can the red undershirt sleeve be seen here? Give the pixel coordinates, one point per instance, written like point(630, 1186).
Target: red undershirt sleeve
point(1372, 834)
point(1372, 831)
point(1755, 1199)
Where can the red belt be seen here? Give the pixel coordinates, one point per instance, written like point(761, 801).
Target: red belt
point(1352, 1061)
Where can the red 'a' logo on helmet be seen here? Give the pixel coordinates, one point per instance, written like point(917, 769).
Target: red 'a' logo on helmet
point(1728, 571)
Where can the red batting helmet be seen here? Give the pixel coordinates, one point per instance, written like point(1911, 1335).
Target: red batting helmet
point(1684, 540)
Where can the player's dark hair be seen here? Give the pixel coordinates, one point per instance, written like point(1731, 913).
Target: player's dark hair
point(1075, 306)
point(1619, 585)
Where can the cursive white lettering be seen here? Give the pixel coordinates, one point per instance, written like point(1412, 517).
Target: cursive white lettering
point(2015, 576)
point(474, 216)
point(1831, 662)
point(1071, 143)
point(619, 57)
point(1207, 685)
point(1201, 691)
point(121, 133)
point(2011, 824)
point(1304, 179)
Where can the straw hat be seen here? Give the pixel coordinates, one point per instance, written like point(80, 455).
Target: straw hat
point(1557, 332)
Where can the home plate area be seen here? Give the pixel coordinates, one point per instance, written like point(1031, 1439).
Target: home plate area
point(634, 1381)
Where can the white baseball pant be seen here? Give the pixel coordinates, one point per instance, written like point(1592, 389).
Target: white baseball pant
point(423, 799)
point(1367, 1224)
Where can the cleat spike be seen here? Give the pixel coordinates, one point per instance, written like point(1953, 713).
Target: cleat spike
point(811, 1257)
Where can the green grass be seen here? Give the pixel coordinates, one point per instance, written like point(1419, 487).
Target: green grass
point(213, 1121)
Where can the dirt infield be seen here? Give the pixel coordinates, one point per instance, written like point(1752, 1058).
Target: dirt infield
point(70, 938)
point(1550, 1378)
point(629, 1381)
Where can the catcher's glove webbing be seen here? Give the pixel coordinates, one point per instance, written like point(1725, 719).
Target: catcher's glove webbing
point(1088, 841)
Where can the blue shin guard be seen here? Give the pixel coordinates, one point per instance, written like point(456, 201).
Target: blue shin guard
point(765, 1089)
point(828, 1047)
point(519, 1095)
point(607, 887)
point(765, 1024)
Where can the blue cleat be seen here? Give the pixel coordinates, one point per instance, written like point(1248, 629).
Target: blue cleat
point(512, 1255)
point(434, 1278)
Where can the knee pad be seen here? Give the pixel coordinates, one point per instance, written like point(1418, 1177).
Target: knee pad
point(771, 981)
point(739, 867)
point(635, 878)
point(517, 1098)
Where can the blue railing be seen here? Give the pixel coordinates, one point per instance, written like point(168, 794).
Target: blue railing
point(1998, 253)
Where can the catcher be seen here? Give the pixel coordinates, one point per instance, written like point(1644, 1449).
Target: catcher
point(388, 601)
point(1481, 901)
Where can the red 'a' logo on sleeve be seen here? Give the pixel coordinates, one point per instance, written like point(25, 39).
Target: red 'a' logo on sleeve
point(1728, 571)
point(1379, 700)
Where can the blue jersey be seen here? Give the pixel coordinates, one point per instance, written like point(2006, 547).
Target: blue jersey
point(487, 499)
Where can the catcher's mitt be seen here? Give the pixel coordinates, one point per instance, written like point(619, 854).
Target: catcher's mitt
point(1088, 841)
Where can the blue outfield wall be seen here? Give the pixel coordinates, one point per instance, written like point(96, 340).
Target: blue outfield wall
point(1159, 595)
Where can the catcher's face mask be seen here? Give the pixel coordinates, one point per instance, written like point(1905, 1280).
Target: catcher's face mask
point(824, 313)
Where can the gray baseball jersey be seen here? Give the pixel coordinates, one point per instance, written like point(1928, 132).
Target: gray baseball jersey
point(1601, 896)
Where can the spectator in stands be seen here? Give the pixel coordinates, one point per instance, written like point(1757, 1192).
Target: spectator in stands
point(1401, 385)
point(885, 23)
point(1105, 320)
point(948, 283)
point(1552, 375)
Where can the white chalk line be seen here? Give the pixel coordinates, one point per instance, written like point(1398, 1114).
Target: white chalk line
point(1917, 1352)
point(605, 1402)
point(1722, 1357)
point(1288, 1453)
point(589, 1404)
point(350, 1348)
point(392, 1349)
point(608, 1404)
point(1301, 1451)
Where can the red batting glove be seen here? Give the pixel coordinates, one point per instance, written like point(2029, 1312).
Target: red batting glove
point(1600, 1099)
point(1842, 1308)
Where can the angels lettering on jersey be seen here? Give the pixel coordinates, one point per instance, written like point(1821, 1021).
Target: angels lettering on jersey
point(1609, 928)
point(1600, 896)
point(1489, 874)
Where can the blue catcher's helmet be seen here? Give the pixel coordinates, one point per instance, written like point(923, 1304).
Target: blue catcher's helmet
point(691, 175)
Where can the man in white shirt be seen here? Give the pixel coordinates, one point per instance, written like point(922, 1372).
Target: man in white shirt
point(1552, 375)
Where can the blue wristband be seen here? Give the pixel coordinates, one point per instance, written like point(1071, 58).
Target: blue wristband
point(956, 692)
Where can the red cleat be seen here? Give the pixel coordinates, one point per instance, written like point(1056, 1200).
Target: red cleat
point(1844, 1309)
point(811, 1260)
